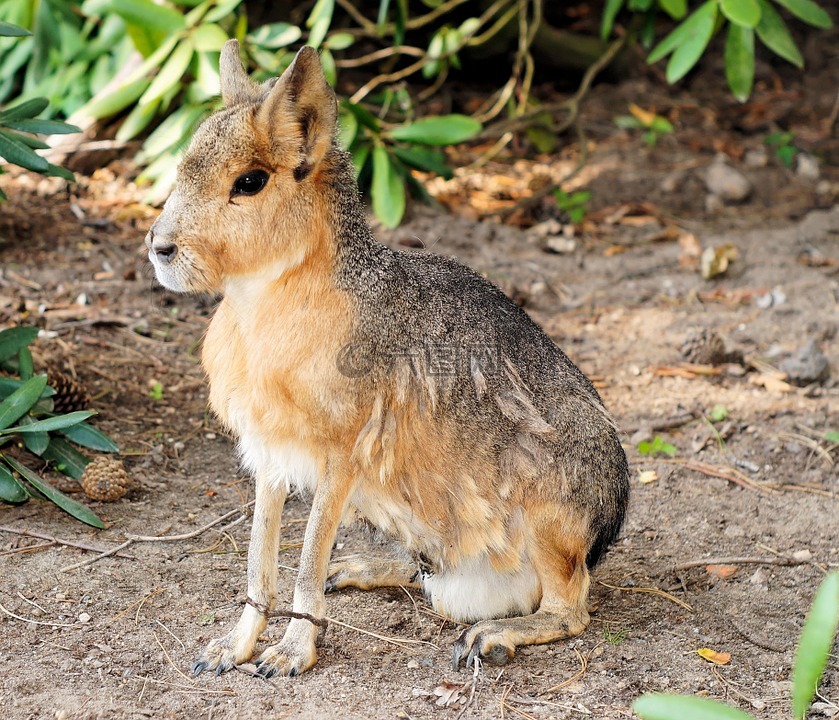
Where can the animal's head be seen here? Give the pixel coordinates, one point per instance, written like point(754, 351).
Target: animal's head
point(248, 197)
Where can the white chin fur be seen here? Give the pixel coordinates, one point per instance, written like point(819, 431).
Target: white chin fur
point(169, 279)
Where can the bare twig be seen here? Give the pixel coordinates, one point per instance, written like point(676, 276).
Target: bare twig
point(97, 558)
point(739, 561)
point(59, 541)
point(199, 531)
point(399, 642)
point(651, 591)
point(37, 622)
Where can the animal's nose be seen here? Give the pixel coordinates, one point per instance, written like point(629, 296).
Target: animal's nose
point(164, 250)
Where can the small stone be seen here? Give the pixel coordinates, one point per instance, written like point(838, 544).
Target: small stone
point(807, 167)
point(545, 229)
point(758, 577)
point(560, 245)
point(84, 617)
point(413, 665)
point(726, 182)
point(807, 365)
point(802, 555)
point(673, 181)
point(756, 158)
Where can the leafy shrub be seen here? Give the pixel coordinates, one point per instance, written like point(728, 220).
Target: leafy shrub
point(27, 421)
point(743, 20)
point(19, 125)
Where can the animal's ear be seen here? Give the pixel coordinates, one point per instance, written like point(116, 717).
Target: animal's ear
point(236, 86)
point(304, 99)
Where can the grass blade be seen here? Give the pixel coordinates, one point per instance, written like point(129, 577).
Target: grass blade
point(21, 400)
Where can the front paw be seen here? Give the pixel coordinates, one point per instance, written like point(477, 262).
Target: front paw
point(221, 654)
point(486, 641)
point(294, 654)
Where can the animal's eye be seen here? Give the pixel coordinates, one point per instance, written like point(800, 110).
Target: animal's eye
point(249, 183)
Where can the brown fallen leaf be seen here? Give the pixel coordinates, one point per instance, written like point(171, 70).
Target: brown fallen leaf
point(614, 250)
point(715, 260)
point(718, 658)
point(645, 117)
point(448, 693)
point(686, 370)
point(772, 381)
point(647, 476)
point(722, 571)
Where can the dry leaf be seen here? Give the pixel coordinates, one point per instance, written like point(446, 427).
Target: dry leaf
point(718, 658)
point(645, 117)
point(773, 381)
point(448, 693)
point(722, 571)
point(715, 260)
point(690, 245)
point(647, 476)
point(614, 250)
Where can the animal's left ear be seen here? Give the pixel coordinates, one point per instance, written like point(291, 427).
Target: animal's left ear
point(303, 99)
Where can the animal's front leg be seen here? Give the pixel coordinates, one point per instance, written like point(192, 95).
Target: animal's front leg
point(296, 652)
point(238, 645)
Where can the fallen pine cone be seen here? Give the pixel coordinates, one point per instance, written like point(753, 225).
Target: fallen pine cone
point(70, 394)
point(105, 479)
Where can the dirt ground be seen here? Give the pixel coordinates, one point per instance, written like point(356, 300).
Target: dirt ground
point(724, 544)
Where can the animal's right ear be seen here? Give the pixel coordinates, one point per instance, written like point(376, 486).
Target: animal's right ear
point(236, 86)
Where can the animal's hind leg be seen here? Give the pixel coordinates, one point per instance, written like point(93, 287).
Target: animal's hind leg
point(367, 573)
point(557, 550)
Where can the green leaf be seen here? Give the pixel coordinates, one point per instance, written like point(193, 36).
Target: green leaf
point(684, 707)
point(700, 29)
point(172, 131)
point(21, 400)
point(437, 130)
point(89, 437)
point(222, 10)
point(832, 436)
point(104, 105)
point(275, 35)
point(679, 35)
point(11, 491)
point(14, 339)
point(9, 30)
point(209, 38)
point(59, 422)
point(41, 127)
point(808, 11)
point(319, 21)
point(387, 189)
point(74, 508)
point(610, 12)
point(148, 14)
point(773, 33)
point(815, 644)
point(58, 171)
point(423, 158)
point(745, 13)
point(740, 60)
point(18, 153)
point(137, 121)
point(347, 128)
point(339, 41)
point(28, 109)
point(170, 73)
point(676, 9)
point(363, 115)
point(360, 153)
point(35, 442)
point(65, 458)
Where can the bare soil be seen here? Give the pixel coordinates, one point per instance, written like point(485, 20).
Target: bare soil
point(753, 495)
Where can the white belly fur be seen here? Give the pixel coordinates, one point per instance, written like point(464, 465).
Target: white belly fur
point(285, 464)
point(475, 591)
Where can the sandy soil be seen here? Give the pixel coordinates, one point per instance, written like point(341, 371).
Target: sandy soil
point(755, 491)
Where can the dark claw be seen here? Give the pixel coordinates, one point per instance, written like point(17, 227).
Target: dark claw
point(266, 670)
point(459, 651)
point(330, 586)
point(220, 668)
point(292, 672)
point(198, 667)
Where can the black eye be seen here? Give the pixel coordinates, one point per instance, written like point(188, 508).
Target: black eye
point(249, 183)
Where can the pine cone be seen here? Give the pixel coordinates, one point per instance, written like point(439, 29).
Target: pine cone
point(70, 394)
point(704, 347)
point(105, 479)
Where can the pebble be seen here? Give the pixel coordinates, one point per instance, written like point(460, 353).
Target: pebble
point(84, 617)
point(756, 158)
point(807, 365)
point(413, 665)
point(726, 182)
point(561, 245)
point(673, 181)
point(807, 167)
